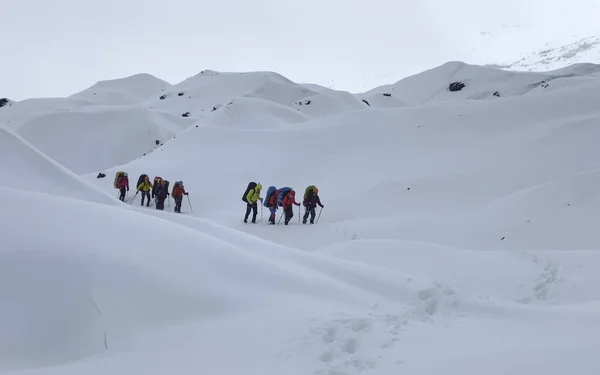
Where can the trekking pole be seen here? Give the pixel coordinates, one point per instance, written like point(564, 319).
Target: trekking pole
point(281, 216)
point(132, 199)
point(261, 208)
point(319, 215)
point(190, 203)
point(299, 213)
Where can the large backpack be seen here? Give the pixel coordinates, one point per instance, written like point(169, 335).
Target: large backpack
point(141, 179)
point(174, 186)
point(117, 175)
point(270, 191)
point(282, 193)
point(308, 193)
point(251, 185)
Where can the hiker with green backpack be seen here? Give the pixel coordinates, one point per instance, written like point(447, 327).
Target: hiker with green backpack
point(311, 200)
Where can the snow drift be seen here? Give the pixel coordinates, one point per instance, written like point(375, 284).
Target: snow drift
point(27, 169)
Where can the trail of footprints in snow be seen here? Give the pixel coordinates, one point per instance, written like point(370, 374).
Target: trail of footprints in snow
point(545, 282)
point(351, 345)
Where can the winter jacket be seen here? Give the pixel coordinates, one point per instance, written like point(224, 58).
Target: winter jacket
point(312, 201)
point(178, 191)
point(288, 200)
point(123, 182)
point(253, 195)
point(162, 191)
point(145, 186)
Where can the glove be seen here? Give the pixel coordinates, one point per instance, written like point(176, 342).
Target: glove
point(186, 193)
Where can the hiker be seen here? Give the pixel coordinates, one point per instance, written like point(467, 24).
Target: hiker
point(123, 185)
point(287, 202)
point(156, 186)
point(145, 187)
point(252, 198)
point(271, 203)
point(311, 199)
point(161, 194)
point(177, 194)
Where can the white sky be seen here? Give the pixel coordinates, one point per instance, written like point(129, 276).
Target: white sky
point(59, 47)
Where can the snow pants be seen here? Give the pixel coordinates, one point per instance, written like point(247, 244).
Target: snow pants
point(178, 201)
point(289, 213)
point(273, 210)
point(146, 194)
point(122, 196)
point(160, 202)
point(251, 207)
point(310, 210)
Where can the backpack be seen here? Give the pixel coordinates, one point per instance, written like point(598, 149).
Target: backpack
point(308, 193)
point(174, 186)
point(117, 175)
point(251, 185)
point(270, 191)
point(282, 193)
point(141, 179)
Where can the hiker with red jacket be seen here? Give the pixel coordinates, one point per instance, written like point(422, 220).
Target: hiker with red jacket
point(177, 194)
point(123, 184)
point(287, 202)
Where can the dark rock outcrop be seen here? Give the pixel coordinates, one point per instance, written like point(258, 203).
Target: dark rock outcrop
point(456, 86)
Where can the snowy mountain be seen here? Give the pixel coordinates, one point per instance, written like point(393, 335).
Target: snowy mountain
point(457, 237)
point(551, 57)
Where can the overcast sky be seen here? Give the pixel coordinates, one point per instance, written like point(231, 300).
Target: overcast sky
point(59, 47)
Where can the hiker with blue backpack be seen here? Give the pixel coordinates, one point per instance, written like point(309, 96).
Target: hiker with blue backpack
point(251, 196)
point(271, 203)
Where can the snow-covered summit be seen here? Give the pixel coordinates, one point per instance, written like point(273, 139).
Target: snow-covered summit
point(122, 91)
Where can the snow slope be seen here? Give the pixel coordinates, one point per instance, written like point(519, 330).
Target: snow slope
point(553, 57)
point(478, 83)
point(458, 236)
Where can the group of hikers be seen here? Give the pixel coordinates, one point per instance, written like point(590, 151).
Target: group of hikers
point(284, 197)
point(159, 190)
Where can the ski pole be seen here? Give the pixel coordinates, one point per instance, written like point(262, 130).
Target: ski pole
point(190, 203)
point(319, 215)
point(132, 199)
